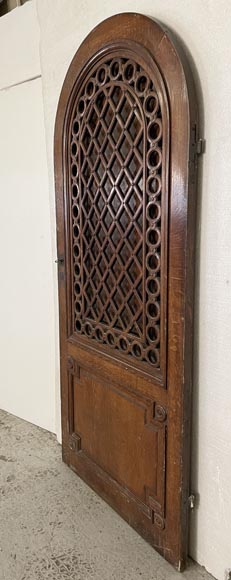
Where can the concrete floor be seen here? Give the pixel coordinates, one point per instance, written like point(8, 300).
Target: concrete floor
point(54, 527)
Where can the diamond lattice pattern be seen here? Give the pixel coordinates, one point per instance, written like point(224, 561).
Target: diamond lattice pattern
point(112, 211)
point(115, 179)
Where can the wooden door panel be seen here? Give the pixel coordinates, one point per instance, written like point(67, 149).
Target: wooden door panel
point(118, 431)
point(125, 178)
point(115, 431)
point(118, 424)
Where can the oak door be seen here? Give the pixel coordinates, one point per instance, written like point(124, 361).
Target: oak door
point(125, 172)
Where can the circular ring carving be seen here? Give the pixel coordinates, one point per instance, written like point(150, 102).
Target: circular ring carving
point(153, 211)
point(78, 307)
point(115, 68)
point(88, 329)
point(154, 158)
point(153, 185)
point(137, 350)
point(123, 343)
point(153, 334)
point(153, 356)
point(153, 286)
point(153, 262)
point(90, 88)
point(153, 309)
point(77, 289)
point(77, 270)
point(76, 231)
point(106, 147)
point(81, 106)
point(74, 170)
point(110, 338)
point(78, 325)
point(74, 149)
point(76, 250)
point(76, 127)
point(74, 190)
point(102, 74)
point(155, 131)
point(99, 333)
point(75, 211)
point(141, 84)
point(129, 71)
point(151, 104)
point(153, 237)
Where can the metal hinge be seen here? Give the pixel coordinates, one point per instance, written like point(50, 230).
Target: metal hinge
point(197, 148)
point(59, 261)
point(200, 146)
point(192, 501)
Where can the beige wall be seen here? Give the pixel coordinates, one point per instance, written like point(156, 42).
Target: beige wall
point(19, 46)
point(7, 5)
point(27, 340)
point(204, 27)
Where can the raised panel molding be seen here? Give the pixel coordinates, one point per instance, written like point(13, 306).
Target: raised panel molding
point(155, 418)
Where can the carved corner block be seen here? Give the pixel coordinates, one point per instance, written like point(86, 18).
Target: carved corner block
point(158, 521)
point(156, 518)
point(155, 415)
point(72, 366)
point(160, 413)
point(75, 442)
point(156, 510)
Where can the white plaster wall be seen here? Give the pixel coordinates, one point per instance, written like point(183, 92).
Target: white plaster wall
point(27, 340)
point(19, 45)
point(204, 27)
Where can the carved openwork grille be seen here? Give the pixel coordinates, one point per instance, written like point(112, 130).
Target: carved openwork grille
point(116, 143)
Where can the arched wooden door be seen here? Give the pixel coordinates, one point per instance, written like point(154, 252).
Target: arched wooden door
point(124, 172)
